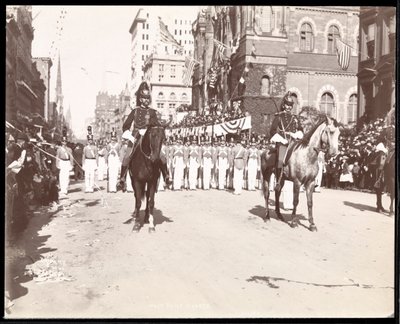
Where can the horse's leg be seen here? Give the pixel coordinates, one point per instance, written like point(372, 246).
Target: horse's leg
point(146, 215)
point(309, 192)
point(391, 213)
point(150, 201)
point(278, 190)
point(265, 188)
point(138, 203)
point(296, 191)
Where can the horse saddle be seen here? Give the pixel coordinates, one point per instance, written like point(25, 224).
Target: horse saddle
point(289, 151)
point(135, 146)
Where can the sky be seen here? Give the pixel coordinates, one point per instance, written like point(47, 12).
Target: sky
point(93, 40)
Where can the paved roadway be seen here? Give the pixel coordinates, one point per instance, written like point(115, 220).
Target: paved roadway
point(211, 256)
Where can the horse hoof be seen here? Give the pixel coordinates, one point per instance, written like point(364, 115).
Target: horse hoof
point(313, 228)
point(293, 224)
point(136, 228)
point(152, 229)
point(267, 219)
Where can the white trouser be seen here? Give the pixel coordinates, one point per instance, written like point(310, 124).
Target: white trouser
point(102, 168)
point(287, 194)
point(160, 183)
point(113, 169)
point(178, 172)
point(90, 170)
point(193, 170)
point(318, 178)
point(222, 167)
point(65, 167)
point(238, 180)
point(251, 174)
point(129, 186)
point(207, 165)
point(272, 181)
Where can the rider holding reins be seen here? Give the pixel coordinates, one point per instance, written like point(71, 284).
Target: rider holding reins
point(285, 128)
point(142, 116)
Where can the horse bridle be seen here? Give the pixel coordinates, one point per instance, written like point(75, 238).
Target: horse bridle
point(141, 141)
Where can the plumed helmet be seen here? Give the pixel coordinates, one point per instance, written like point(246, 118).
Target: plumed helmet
point(89, 130)
point(287, 100)
point(143, 90)
point(113, 134)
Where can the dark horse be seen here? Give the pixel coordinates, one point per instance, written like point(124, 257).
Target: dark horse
point(144, 170)
point(389, 176)
point(302, 166)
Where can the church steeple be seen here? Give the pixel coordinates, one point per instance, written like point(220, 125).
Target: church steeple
point(59, 95)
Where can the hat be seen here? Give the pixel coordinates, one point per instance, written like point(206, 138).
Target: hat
point(64, 139)
point(287, 100)
point(90, 137)
point(253, 141)
point(113, 134)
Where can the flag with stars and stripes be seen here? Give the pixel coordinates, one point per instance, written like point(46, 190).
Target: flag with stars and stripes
point(188, 71)
point(343, 54)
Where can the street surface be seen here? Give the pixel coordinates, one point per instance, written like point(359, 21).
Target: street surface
point(212, 255)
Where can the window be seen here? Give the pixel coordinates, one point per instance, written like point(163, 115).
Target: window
point(142, 57)
point(392, 33)
point(147, 47)
point(265, 85)
point(161, 72)
point(184, 97)
point(147, 26)
point(160, 95)
point(172, 96)
point(143, 47)
point(333, 33)
point(176, 32)
point(176, 21)
point(147, 37)
point(160, 105)
point(180, 32)
point(143, 36)
point(306, 38)
point(265, 23)
point(173, 70)
point(371, 41)
point(171, 106)
point(143, 25)
point(352, 109)
point(327, 105)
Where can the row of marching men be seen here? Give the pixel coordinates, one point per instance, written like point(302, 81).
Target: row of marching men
point(196, 163)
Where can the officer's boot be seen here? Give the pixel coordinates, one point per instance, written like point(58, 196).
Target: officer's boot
point(122, 178)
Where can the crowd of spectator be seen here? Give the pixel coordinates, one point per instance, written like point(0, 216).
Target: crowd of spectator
point(31, 177)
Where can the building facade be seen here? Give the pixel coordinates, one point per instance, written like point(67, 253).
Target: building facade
point(165, 75)
point(110, 113)
point(181, 29)
point(149, 35)
point(376, 68)
point(44, 64)
point(274, 49)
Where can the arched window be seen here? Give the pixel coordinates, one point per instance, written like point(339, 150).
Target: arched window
point(172, 96)
point(327, 104)
point(296, 103)
point(352, 109)
point(265, 19)
point(265, 85)
point(161, 95)
point(184, 97)
point(306, 38)
point(333, 33)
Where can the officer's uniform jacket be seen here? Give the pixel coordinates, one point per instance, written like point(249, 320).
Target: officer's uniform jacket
point(194, 152)
point(206, 152)
point(223, 152)
point(284, 122)
point(113, 149)
point(138, 119)
point(178, 151)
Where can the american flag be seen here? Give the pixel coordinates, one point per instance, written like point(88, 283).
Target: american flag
point(187, 74)
point(343, 54)
point(220, 48)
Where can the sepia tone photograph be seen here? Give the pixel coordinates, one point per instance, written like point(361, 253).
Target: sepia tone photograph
point(193, 162)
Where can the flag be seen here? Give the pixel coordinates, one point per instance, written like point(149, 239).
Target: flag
point(188, 71)
point(220, 49)
point(343, 54)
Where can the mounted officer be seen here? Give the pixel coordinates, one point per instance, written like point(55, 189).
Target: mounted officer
point(141, 117)
point(285, 128)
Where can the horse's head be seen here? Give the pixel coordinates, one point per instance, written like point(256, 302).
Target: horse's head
point(330, 138)
point(156, 137)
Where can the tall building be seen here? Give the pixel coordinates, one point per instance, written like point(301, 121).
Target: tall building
point(376, 68)
point(165, 73)
point(44, 65)
point(270, 50)
point(181, 29)
point(109, 113)
point(149, 35)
